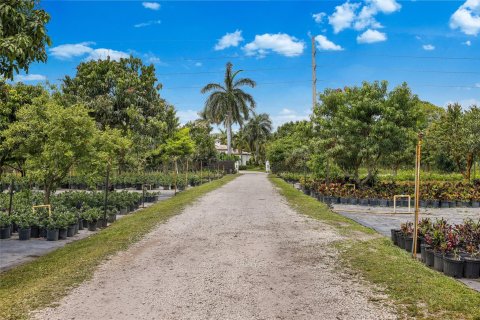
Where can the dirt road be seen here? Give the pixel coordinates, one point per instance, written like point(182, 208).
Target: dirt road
point(240, 252)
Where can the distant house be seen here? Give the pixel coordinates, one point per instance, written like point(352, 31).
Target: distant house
point(244, 157)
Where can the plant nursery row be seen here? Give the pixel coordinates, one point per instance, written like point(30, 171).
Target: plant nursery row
point(70, 211)
point(432, 194)
point(451, 249)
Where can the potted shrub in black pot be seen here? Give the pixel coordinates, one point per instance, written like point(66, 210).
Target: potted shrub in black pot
point(24, 220)
point(5, 225)
point(452, 261)
point(407, 230)
point(472, 262)
point(51, 226)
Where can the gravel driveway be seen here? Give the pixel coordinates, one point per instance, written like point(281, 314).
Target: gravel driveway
point(240, 252)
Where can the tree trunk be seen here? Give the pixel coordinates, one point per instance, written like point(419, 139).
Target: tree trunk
point(47, 189)
point(175, 176)
point(468, 167)
point(229, 137)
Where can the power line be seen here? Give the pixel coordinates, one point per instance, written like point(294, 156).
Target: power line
point(410, 56)
point(215, 72)
point(258, 84)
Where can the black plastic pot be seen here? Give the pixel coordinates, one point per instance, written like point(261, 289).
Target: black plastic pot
point(80, 224)
point(35, 232)
point(452, 267)
point(471, 268)
point(123, 211)
point(423, 203)
point(5, 233)
point(438, 261)
point(393, 235)
point(52, 235)
point(383, 202)
point(475, 204)
point(353, 201)
point(62, 234)
point(429, 257)
point(71, 231)
point(401, 240)
point(408, 243)
point(364, 202)
point(92, 226)
point(423, 251)
point(444, 204)
point(344, 200)
point(24, 234)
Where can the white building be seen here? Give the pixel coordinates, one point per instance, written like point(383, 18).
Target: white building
point(244, 157)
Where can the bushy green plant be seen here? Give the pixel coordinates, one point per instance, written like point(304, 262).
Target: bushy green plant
point(5, 220)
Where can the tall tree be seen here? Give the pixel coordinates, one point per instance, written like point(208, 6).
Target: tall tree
point(456, 134)
point(228, 103)
point(258, 130)
point(23, 35)
point(12, 99)
point(361, 125)
point(53, 139)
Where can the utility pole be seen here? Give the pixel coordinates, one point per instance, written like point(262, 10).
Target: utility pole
point(314, 74)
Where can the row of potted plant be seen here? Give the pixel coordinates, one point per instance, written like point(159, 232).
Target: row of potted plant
point(432, 194)
point(451, 249)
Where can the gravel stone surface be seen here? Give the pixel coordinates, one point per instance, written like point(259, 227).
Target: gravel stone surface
point(240, 252)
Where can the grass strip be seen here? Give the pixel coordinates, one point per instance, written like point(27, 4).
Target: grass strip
point(418, 291)
point(47, 279)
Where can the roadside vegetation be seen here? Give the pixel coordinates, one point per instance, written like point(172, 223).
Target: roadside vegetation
point(38, 283)
point(417, 291)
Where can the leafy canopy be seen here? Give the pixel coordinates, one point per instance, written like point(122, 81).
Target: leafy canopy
point(23, 35)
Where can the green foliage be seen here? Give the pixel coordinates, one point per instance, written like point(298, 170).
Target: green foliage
point(257, 131)
point(228, 103)
point(180, 145)
point(23, 35)
point(200, 132)
point(363, 125)
point(5, 220)
point(292, 147)
point(92, 215)
point(456, 135)
point(52, 139)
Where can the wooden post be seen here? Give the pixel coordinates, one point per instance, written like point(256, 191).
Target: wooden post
point(186, 176)
point(417, 193)
point(10, 204)
point(106, 194)
point(175, 176)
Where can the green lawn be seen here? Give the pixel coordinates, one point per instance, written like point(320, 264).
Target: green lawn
point(50, 277)
point(417, 291)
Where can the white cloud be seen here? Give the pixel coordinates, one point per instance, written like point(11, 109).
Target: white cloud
point(318, 17)
point(477, 85)
point(151, 5)
point(371, 36)
point(229, 40)
point(68, 51)
point(467, 18)
point(148, 23)
point(468, 43)
point(198, 64)
point(280, 43)
point(361, 16)
point(287, 115)
point(324, 44)
point(187, 115)
point(103, 54)
point(428, 47)
point(30, 77)
point(343, 16)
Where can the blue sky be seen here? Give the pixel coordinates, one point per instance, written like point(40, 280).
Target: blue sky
point(433, 45)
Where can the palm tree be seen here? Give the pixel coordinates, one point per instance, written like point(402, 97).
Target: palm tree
point(228, 103)
point(258, 130)
point(240, 141)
